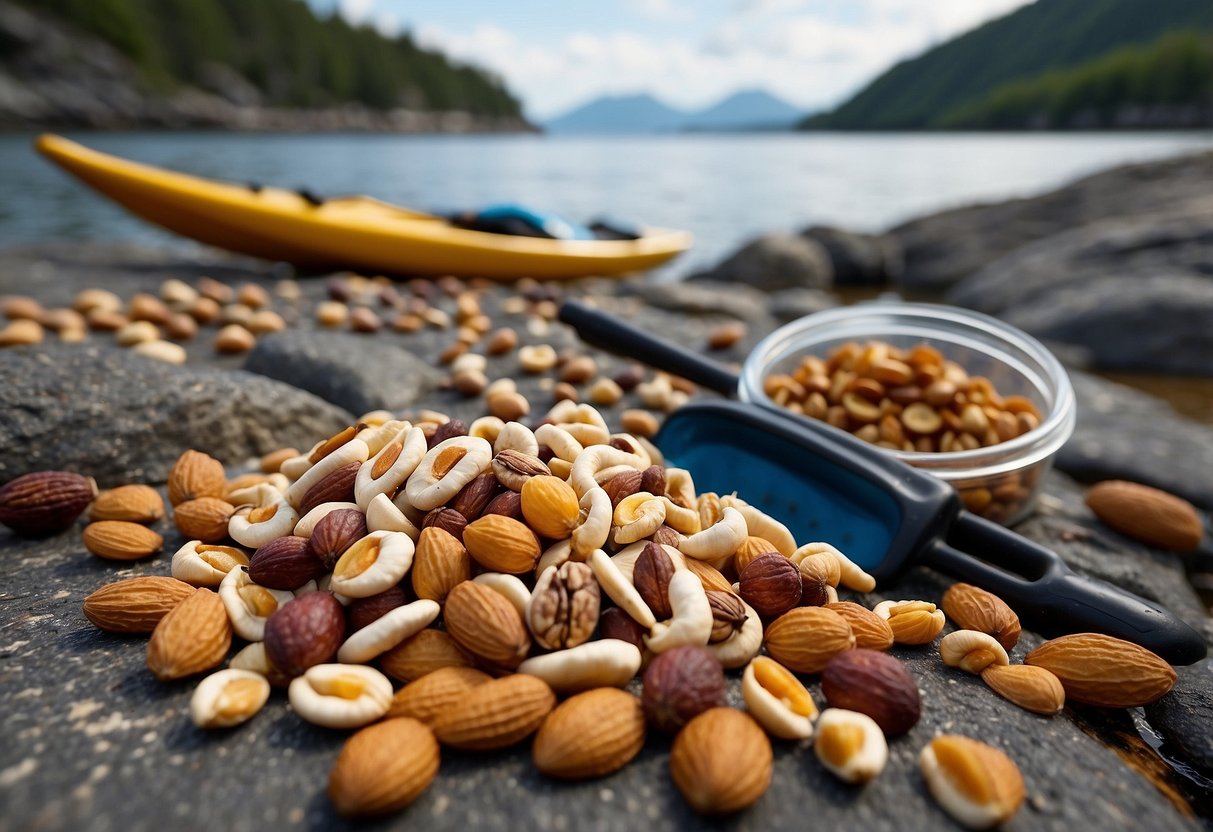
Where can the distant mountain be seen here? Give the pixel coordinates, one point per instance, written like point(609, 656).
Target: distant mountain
point(619, 114)
point(1038, 38)
point(643, 113)
point(742, 110)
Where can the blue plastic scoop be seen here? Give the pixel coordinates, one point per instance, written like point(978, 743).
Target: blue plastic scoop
point(825, 484)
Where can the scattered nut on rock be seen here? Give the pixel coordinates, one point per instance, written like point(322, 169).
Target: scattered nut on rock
point(228, 698)
point(850, 745)
point(383, 768)
point(340, 695)
point(721, 762)
point(978, 785)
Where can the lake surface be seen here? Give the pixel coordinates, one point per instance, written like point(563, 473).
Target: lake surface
point(724, 188)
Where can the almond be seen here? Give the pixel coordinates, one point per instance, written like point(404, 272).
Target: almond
point(336, 487)
point(195, 475)
point(502, 544)
point(424, 653)
point(1146, 514)
point(590, 735)
point(721, 762)
point(439, 563)
point(805, 639)
point(1101, 670)
point(550, 506)
point(120, 540)
point(135, 605)
point(485, 624)
point(750, 548)
point(383, 768)
point(972, 608)
point(496, 714)
point(425, 699)
point(871, 631)
point(711, 577)
point(194, 636)
point(133, 503)
point(204, 519)
point(1031, 688)
point(44, 502)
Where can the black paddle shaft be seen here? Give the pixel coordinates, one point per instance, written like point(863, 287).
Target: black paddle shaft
point(1031, 578)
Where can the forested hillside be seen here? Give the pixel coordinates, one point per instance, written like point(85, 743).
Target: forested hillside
point(929, 90)
point(293, 57)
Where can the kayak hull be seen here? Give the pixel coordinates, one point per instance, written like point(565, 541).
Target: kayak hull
point(356, 233)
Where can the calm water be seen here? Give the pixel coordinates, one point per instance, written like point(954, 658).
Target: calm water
point(723, 188)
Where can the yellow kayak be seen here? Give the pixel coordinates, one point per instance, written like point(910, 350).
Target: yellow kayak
point(358, 232)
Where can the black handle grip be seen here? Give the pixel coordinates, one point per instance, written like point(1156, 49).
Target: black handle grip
point(607, 332)
point(1055, 600)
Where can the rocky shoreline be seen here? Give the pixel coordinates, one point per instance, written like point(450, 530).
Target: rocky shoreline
point(92, 731)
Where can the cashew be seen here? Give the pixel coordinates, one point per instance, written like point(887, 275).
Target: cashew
point(353, 451)
point(340, 695)
point(487, 428)
point(971, 651)
point(518, 437)
point(634, 443)
point(718, 542)
point(743, 645)
point(375, 563)
point(377, 436)
point(692, 621)
point(679, 486)
point(777, 699)
point(594, 459)
point(248, 604)
point(202, 564)
point(561, 442)
point(682, 520)
point(556, 554)
point(228, 697)
point(382, 515)
point(761, 524)
point(607, 662)
point(252, 494)
point(410, 447)
point(850, 574)
point(638, 516)
point(387, 631)
point(424, 491)
point(509, 587)
point(596, 527)
point(255, 526)
point(308, 522)
point(621, 591)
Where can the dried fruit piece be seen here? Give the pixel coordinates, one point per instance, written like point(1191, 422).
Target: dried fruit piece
point(135, 605)
point(194, 636)
point(875, 684)
point(1031, 688)
point(1101, 670)
point(383, 768)
point(972, 608)
point(976, 784)
point(1146, 514)
point(721, 762)
point(44, 502)
point(590, 735)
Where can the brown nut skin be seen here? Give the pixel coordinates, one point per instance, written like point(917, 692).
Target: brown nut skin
point(875, 684)
point(728, 614)
point(285, 563)
point(680, 684)
point(615, 623)
point(337, 487)
point(304, 633)
point(44, 502)
point(814, 591)
point(652, 479)
point(447, 519)
point(363, 611)
point(471, 501)
point(667, 536)
point(564, 606)
point(651, 577)
point(721, 762)
point(508, 504)
point(447, 430)
point(337, 531)
point(624, 485)
point(771, 584)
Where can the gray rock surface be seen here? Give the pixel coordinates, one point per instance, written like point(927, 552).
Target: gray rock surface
point(942, 249)
point(775, 261)
point(859, 259)
point(789, 304)
point(1125, 434)
point(120, 417)
point(339, 368)
point(704, 297)
point(1184, 717)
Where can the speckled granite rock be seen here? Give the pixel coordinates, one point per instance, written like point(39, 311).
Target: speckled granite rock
point(1185, 716)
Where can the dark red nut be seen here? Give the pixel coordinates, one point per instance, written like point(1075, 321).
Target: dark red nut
point(337, 487)
point(470, 502)
point(305, 632)
point(45, 502)
point(615, 623)
point(875, 684)
point(448, 430)
point(285, 563)
point(449, 520)
point(629, 377)
point(337, 531)
point(363, 611)
point(770, 584)
point(680, 684)
point(667, 536)
point(651, 576)
point(624, 485)
point(814, 592)
point(508, 504)
point(652, 480)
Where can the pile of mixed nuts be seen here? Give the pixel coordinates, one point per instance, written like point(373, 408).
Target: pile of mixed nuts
point(515, 580)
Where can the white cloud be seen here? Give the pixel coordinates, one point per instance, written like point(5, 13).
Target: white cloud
point(669, 10)
point(356, 11)
point(812, 59)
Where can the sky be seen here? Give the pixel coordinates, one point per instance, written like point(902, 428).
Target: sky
point(689, 53)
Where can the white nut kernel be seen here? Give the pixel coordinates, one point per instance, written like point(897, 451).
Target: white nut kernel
point(971, 651)
point(692, 621)
point(203, 564)
point(388, 469)
point(307, 523)
point(430, 487)
point(228, 698)
point(382, 515)
point(248, 604)
point(607, 662)
point(353, 451)
point(718, 542)
point(340, 695)
point(621, 591)
point(850, 745)
point(510, 587)
point(387, 631)
point(777, 699)
point(374, 564)
point(637, 517)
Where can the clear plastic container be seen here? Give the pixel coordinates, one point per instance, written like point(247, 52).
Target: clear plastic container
point(1000, 482)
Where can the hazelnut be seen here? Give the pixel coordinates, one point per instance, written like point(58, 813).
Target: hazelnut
point(285, 563)
point(448, 430)
point(667, 536)
point(364, 611)
point(771, 584)
point(447, 519)
point(471, 501)
point(617, 624)
point(624, 485)
point(508, 504)
point(875, 684)
point(652, 480)
point(651, 576)
point(335, 532)
point(680, 684)
point(304, 633)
